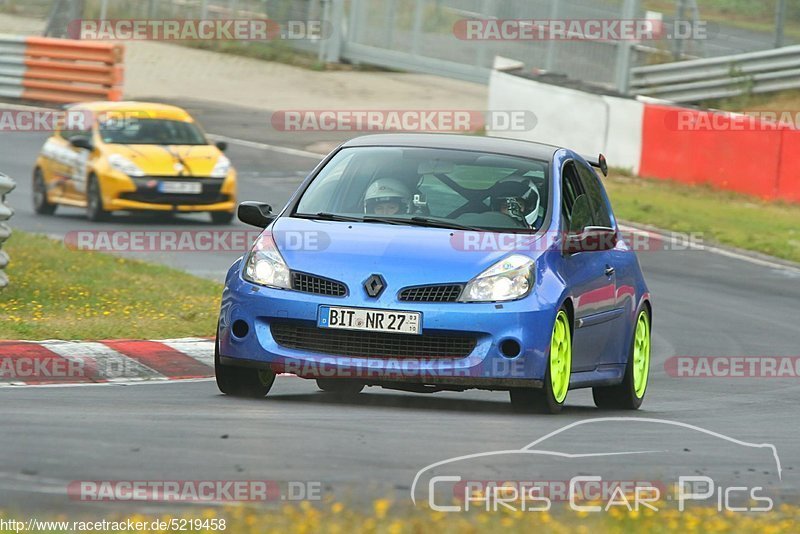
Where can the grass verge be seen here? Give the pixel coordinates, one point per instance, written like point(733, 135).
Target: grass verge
point(722, 217)
point(394, 518)
point(58, 293)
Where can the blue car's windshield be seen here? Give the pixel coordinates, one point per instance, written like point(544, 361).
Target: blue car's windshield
point(430, 186)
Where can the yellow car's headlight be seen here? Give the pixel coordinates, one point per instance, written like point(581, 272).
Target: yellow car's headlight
point(121, 164)
point(222, 168)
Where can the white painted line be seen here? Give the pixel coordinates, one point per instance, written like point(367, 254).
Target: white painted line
point(714, 250)
point(265, 146)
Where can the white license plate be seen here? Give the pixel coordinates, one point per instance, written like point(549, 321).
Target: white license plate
point(192, 188)
point(399, 322)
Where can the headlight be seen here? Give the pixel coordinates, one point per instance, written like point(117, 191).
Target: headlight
point(221, 168)
point(122, 164)
point(265, 266)
point(508, 279)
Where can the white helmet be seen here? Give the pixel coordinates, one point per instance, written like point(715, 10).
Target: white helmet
point(387, 190)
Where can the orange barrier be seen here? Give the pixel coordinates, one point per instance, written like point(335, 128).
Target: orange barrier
point(63, 70)
point(789, 169)
point(720, 149)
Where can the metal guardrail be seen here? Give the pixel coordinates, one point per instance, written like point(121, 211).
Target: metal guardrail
point(6, 186)
point(59, 70)
point(720, 77)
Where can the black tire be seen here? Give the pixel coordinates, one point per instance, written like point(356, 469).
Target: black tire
point(40, 203)
point(221, 217)
point(536, 400)
point(241, 381)
point(340, 386)
point(622, 396)
point(94, 201)
point(541, 400)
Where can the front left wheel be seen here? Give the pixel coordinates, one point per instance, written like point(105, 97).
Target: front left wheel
point(41, 205)
point(550, 398)
point(241, 381)
point(221, 217)
point(629, 394)
point(94, 201)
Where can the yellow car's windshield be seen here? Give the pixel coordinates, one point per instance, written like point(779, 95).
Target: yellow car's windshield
point(151, 132)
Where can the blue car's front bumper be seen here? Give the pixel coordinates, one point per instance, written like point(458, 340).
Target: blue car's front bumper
point(255, 309)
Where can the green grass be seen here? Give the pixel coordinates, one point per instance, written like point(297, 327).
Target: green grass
point(722, 217)
point(57, 293)
point(751, 15)
point(399, 517)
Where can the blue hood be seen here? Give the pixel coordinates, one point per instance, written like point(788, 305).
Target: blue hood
point(404, 255)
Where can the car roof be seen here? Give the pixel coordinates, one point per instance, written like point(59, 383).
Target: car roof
point(149, 109)
point(497, 145)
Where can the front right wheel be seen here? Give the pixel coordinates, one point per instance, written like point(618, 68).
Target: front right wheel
point(550, 398)
point(241, 381)
point(340, 386)
point(629, 394)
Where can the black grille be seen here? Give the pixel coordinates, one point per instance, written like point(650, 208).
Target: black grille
point(438, 293)
point(147, 191)
point(370, 344)
point(308, 283)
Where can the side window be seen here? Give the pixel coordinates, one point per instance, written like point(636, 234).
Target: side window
point(76, 131)
point(575, 207)
point(599, 207)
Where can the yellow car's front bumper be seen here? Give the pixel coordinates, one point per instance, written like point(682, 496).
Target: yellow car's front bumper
point(119, 204)
point(121, 192)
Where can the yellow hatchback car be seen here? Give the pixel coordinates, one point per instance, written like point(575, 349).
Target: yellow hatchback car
point(132, 156)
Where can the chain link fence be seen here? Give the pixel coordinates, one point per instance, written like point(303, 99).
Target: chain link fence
point(418, 35)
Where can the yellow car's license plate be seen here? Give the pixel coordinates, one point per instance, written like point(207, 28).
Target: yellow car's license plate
point(192, 188)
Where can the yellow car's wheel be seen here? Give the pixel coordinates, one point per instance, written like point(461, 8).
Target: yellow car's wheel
point(94, 200)
point(41, 205)
point(221, 217)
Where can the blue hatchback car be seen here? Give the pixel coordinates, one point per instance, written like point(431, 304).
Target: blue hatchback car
point(427, 262)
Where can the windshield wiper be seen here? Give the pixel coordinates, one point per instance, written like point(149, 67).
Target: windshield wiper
point(325, 216)
point(424, 221)
point(413, 221)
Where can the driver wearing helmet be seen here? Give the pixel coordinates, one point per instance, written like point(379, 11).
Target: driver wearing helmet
point(519, 199)
point(387, 196)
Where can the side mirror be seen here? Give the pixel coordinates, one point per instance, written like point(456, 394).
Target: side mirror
point(222, 146)
point(255, 214)
point(592, 239)
point(81, 141)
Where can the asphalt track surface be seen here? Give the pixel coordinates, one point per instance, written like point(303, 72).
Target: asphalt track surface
point(706, 304)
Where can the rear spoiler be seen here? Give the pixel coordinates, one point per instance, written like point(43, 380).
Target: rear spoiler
point(599, 162)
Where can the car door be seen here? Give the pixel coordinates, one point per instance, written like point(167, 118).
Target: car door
point(590, 274)
point(74, 163)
